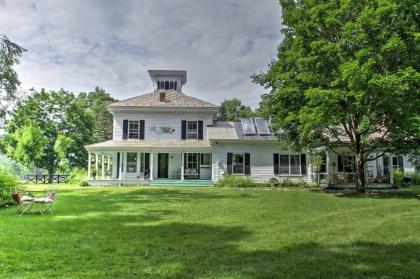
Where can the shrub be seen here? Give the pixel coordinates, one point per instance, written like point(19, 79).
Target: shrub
point(398, 177)
point(297, 184)
point(7, 183)
point(78, 176)
point(238, 181)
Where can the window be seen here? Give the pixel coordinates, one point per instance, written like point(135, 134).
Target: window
point(175, 86)
point(323, 166)
point(205, 159)
point(192, 129)
point(171, 85)
point(166, 85)
point(131, 162)
point(238, 163)
point(284, 164)
point(289, 164)
point(347, 164)
point(192, 161)
point(294, 164)
point(133, 129)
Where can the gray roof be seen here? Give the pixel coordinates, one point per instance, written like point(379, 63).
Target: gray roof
point(228, 130)
point(173, 99)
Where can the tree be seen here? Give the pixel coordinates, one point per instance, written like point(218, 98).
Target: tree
point(10, 53)
point(97, 101)
point(233, 110)
point(49, 130)
point(347, 73)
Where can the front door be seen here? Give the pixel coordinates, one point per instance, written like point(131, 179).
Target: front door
point(163, 165)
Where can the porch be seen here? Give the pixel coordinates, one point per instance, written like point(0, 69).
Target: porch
point(152, 169)
point(338, 171)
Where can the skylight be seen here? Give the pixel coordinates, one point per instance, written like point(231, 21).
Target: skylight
point(262, 126)
point(248, 125)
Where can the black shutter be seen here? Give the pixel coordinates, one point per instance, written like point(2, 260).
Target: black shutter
point(386, 165)
point(200, 129)
point(229, 163)
point(247, 163)
point(401, 163)
point(125, 129)
point(340, 163)
point(303, 163)
point(146, 164)
point(276, 163)
point(185, 161)
point(184, 129)
point(118, 164)
point(141, 132)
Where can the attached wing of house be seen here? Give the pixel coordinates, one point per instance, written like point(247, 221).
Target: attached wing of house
point(167, 137)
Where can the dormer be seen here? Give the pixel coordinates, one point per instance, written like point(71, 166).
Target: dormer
point(168, 79)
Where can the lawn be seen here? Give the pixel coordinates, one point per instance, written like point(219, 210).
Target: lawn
point(212, 233)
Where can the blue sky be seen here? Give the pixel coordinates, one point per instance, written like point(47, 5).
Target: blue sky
point(77, 45)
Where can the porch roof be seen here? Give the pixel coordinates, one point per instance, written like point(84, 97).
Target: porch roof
point(149, 144)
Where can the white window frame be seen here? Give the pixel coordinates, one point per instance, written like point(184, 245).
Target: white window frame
point(238, 164)
point(289, 156)
point(133, 163)
point(132, 132)
point(188, 132)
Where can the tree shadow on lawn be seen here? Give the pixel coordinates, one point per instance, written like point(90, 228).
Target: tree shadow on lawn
point(141, 245)
point(381, 195)
point(186, 250)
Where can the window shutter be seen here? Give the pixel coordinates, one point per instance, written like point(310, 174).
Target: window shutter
point(125, 129)
point(229, 163)
point(386, 165)
point(247, 163)
point(141, 132)
point(303, 163)
point(340, 163)
point(185, 161)
point(118, 164)
point(276, 163)
point(146, 164)
point(184, 129)
point(401, 163)
point(200, 129)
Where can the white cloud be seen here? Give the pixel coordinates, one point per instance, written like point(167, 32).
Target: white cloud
point(78, 45)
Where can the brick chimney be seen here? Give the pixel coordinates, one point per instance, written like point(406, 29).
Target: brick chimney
point(162, 97)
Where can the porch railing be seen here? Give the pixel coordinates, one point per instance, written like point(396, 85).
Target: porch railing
point(338, 178)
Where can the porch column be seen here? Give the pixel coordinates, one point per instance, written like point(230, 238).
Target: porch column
point(182, 166)
point(103, 166)
point(89, 165)
point(151, 166)
point(121, 165)
point(390, 169)
point(96, 165)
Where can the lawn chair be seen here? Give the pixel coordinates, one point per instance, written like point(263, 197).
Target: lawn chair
point(46, 203)
point(24, 203)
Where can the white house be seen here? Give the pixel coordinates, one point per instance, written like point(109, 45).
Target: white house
point(167, 137)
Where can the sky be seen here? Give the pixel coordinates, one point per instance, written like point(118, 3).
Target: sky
point(80, 44)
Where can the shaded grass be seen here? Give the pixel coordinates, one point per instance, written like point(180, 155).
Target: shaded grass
point(212, 233)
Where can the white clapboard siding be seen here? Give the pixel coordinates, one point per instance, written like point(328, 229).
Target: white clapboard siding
point(262, 167)
point(155, 120)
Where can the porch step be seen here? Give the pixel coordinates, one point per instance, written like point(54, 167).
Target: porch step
point(181, 183)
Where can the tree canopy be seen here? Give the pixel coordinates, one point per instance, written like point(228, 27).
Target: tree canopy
point(10, 53)
point(97, 102)
point(49, 130)
point(233, 110)
point(347, 73)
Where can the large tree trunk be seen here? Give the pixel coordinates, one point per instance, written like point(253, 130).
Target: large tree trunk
point(360, 174)
point(50, 175)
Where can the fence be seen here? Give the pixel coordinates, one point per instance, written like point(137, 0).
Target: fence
point(44, 178)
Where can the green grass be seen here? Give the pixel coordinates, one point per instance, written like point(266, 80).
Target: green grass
point(212, 233)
